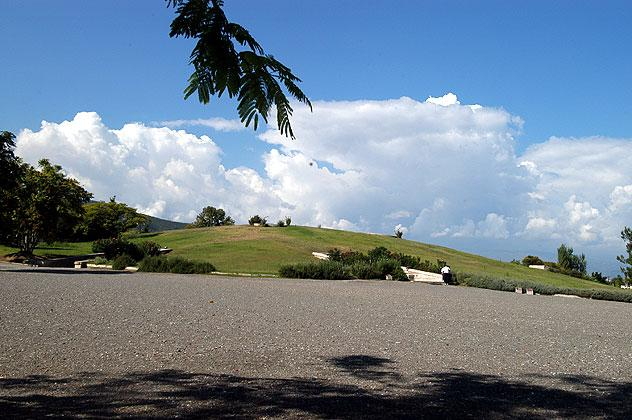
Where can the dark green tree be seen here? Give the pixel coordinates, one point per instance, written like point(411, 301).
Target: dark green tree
point(11, 172)
point(626, 260)
point(210, 216)
point(258, 220)
point(49, 206)
point(108, 220)
point(569, 262)
point(227, 58)
point(532, 260)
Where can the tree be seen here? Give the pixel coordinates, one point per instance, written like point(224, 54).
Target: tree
point(258, 220)
point(226, 58)
point(108, 220)
point(210, 216)
point(569, 262)
point(532, 260)
point(11, 172)
point(49, 206)
point(626, 269)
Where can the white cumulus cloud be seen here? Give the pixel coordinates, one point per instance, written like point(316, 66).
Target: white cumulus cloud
point(440, 170)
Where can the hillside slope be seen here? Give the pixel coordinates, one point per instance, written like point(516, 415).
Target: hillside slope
point(247, 249)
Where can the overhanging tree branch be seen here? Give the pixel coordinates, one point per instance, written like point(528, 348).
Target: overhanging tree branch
point(257, 79)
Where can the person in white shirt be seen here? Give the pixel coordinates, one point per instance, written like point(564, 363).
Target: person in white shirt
point(446, 274)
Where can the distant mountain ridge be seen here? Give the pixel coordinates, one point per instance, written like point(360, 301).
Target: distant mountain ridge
point(157, 224)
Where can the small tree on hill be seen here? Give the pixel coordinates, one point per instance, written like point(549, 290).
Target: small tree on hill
point(108, 220)
point(532, 260)
point(626, 260)
point(211, 216)
point(569, 262)
point(258, 220)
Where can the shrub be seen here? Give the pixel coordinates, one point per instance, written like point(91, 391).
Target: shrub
point(122, 261)
point(331, 270)
point(532, 260)
point(256, 219)
point(176, 265)
point(509, 285)
point(100, 260)
point(363, 270)
point(114, 247)
point(288, 220)
point(280, 223)
point(149, 248)
point(378, 253)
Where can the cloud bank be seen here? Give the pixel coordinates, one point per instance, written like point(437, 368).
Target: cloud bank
point(441, 171)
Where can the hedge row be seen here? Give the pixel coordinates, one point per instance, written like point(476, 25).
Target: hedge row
point(509, 285)
point(336, 270)
point(176, 265)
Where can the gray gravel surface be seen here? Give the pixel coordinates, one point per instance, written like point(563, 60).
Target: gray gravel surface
point(74, 343)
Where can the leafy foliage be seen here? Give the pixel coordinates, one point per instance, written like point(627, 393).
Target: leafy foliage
point(258, 220)
point(532, 260)
point(122, 261)
point(175, 265)
point(47, 206)
point(626, 260)
point(509, 285)
point(382, 253)
point(598, 277)
point(211, 216)
point(323, 270)
point(108, 220)
point(569, 263)
point(11, 172)
point(399, 233)
point(227, 58)
point(149, 248)
point(113, 247)
point(377, 264)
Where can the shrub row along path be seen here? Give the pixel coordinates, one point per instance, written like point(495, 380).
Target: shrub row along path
point(156, 345)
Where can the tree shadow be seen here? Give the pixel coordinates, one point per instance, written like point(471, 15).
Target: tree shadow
point(451, 394)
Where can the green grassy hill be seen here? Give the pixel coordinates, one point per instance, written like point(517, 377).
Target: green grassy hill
point(247, 249)
point(259, 250)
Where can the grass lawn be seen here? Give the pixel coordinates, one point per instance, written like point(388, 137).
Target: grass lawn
point(56, 249)
point(248, 249)
point(259, 250)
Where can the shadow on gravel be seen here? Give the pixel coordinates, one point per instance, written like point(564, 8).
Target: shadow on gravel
point(166, 393)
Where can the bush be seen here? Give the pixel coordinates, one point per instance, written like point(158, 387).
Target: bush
point(149, 248)
point(100, 260)
point(256, 219)
point(363, 270)
point(288, 220)
point(280, 223)
point(532, 260)
point(509, 285)
point(114, 247)
point(337, 270)
point(325, 270)
point(122, 261)
point(176, 265)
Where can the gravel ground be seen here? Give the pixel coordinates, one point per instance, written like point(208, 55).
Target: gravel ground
point(75, 343)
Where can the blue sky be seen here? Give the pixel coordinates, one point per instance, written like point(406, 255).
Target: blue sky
point(562, 67)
